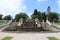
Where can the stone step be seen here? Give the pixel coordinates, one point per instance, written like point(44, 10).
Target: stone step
point(29, 25)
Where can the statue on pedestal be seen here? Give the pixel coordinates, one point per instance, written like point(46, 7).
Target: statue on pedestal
point(48, 12)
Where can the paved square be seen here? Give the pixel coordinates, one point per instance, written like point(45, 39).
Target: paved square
point(29, 36)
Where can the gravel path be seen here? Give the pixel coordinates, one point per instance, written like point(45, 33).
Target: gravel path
point(29, 36)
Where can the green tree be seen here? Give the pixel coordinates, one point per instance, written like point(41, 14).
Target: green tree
point(44, 16)
point(8, 17)
point(37, 14)
point(1, 16)
point(35, 11)
point(21, 15)
point(53, 16)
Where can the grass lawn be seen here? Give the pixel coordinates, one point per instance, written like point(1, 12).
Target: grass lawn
point(2, 23)
point(7, 38)
point(52, 38)
point(57, 23)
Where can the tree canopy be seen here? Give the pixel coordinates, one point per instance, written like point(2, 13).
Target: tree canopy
point(1, 16)
point(21, 15)
point(8, 17)
point(36, 14)
point(52, 16)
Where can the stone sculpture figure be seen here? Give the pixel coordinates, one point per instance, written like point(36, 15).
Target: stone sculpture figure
point(20, 22)
point(37, 22)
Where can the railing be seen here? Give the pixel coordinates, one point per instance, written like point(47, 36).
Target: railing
point(9, 22)
point(48, 22)
point(2, 27)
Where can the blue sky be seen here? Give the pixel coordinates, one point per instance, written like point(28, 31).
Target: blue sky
point(13, 7)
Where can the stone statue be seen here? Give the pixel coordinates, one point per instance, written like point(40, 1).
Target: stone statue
point(48, 11)
point(20, 22)
point(37, 22)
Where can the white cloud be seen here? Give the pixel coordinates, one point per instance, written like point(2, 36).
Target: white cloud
point(38, 0)
point(9, 7)
point(30, 14)
point(58, 2)
point(41, 1)
point(24, 7)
